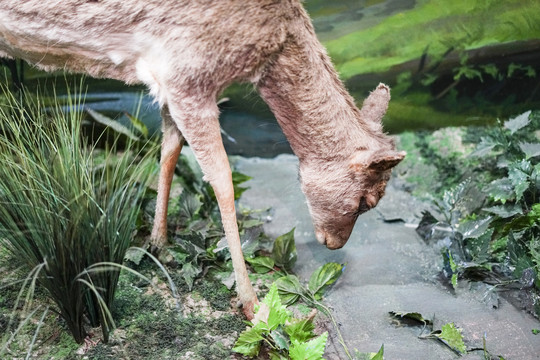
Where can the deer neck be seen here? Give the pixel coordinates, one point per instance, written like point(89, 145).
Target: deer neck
point(315, 112)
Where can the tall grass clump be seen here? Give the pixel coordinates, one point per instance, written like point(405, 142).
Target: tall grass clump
point(66, 207)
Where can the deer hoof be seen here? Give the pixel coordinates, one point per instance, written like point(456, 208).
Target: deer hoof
point(248, 308)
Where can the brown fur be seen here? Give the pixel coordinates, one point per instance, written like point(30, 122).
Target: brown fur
point(187, 52)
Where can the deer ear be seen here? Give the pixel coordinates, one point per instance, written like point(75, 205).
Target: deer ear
point(386, 160)
point(376, 160)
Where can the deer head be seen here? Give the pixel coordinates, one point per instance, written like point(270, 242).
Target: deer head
point(338, 192)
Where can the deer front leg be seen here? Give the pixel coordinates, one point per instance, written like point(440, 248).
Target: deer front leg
point(170, 150)
point(204, 138)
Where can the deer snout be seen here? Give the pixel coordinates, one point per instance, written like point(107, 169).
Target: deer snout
point(333, 240)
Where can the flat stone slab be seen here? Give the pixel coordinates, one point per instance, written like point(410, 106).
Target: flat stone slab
point(389, 268)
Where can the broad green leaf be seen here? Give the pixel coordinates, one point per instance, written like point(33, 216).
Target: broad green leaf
point(518, 122)
point(411, 315)
point(518, 173)
point(138, 124)
point(300, 330)
point(289, 289)
point(113, 124)
point(452, 336)
point(505, 211)
point(178, 254)
point(190, 205)
point(370, 356)
point(323, 277)
point(312, 350)
point(251, 223)
point(501, 190)
point(530, 150)
point(189, 272)
point(474, 228)
point(284, 250)
point(278, 313)
point(249, 342)
point(261, 264)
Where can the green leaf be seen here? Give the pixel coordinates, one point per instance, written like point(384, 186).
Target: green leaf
point(474, 228)
point(312, 350)
point(412, 316)
point(246, 224)
point(261, 264)
point(289, 289)
point(134, 255)
point(138, 124)
point(501, 190)
point(278, 313)
point(530, 150)
point(452, 337)
point(113, 124)
point(370, 356)
point(189, 272)
point(505, 211)
point(300, 330)
point(248, 342)
point(280, 340)
point(454, 268)
point(485, 147)
point(518, 122)
point(518, 173)
point(323, 277)
point(284, 251)
point(237, 179)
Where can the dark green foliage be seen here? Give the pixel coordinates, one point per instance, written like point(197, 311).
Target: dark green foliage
point(66, 207)
point(493, 234)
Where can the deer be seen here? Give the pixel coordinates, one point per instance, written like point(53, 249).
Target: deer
point(186, 52)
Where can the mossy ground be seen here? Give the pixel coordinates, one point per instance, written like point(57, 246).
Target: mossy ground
point(150, 324)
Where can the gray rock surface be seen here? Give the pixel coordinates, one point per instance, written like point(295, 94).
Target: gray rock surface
point(389, 268)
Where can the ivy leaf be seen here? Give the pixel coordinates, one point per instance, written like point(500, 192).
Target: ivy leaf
point(300, 330)
point(284, 250)
point(311, 350)
point(289, 289)
point(261, 264)
point(278, 313)
point(248, 342)
point(323, 277)
point(518, 122)
point(452, 337)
